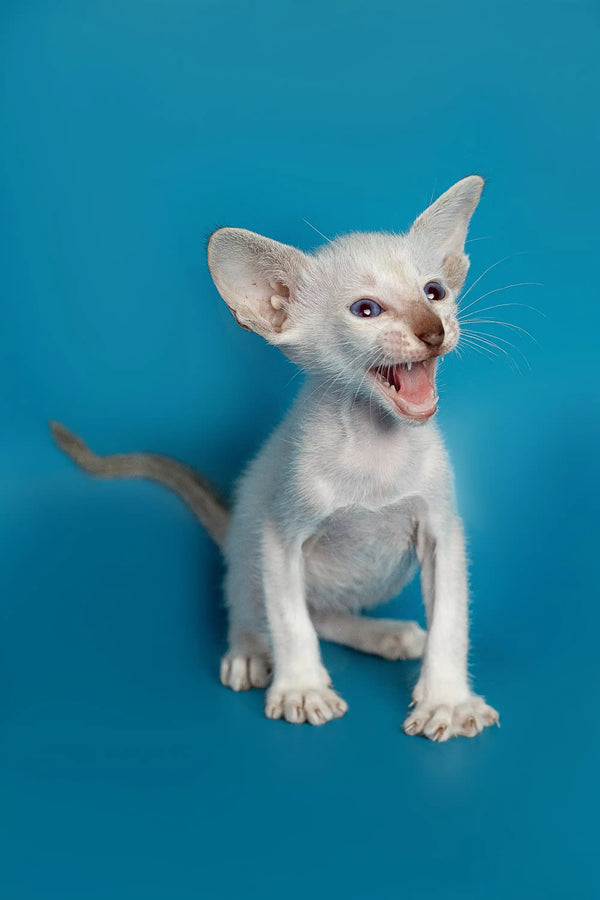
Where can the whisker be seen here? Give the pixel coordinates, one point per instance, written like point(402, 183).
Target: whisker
point(376, 361)
point(473, 345)
point(498, 322)
point(295, 375)
point(483, 346)
point(489, 269)
point(329, 382)
point(314, 228)
point(485, 335)
point(483, 351)
point(502, 305)
point(432, 192)
point(498, 290)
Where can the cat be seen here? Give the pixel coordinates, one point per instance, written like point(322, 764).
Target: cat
point(353, 491)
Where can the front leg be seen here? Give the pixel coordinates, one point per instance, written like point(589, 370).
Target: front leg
point(301, 690)
point(444, 705)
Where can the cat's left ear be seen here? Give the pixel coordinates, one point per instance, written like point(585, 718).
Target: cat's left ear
point(440, 232)
point(257, 278)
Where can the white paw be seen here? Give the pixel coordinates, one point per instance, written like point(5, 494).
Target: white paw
point(401, 640)
point(440, 721)
point(241, 673)
point(296, 705)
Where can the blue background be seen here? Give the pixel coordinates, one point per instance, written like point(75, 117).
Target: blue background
point(130, 131)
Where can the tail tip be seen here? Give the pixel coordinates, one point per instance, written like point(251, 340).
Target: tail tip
point(64, 438)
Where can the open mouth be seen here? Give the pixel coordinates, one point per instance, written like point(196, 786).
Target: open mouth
point(409, 387)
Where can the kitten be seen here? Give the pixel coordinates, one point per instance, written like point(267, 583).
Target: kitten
point(354, 490)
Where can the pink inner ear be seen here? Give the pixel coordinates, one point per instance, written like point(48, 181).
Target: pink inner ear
point(249, 270)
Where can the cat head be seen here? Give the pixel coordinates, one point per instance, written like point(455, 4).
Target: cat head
point(372, 311)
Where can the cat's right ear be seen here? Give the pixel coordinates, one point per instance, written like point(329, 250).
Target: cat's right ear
point(256, 277)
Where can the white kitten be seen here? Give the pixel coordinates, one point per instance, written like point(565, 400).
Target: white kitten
point(348, 495)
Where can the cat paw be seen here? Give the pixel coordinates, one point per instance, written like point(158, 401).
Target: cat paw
point(400, 640)
point(296, 705)
point(240, 673)
point(441, 721)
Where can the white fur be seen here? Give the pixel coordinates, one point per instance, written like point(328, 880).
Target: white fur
point(347, 497)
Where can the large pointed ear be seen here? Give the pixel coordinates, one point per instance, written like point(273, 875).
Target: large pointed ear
point(440, 232)
point(256, 277)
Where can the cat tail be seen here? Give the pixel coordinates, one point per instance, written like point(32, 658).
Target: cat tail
point(201, 498)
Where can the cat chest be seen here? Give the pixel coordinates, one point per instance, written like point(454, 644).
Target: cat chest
point(358, 546)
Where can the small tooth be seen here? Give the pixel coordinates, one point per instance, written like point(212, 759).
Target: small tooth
point(409, 366)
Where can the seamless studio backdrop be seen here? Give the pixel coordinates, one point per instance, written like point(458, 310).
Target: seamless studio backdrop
point(130, 131)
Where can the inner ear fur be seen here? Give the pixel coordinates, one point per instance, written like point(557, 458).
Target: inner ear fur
point(455, 268)
point(441, 230)
point(256, 278)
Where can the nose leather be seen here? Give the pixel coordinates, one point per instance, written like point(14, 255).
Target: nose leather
point(426, 325)
point(433, 338)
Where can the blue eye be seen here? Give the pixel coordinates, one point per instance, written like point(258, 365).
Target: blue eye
point(434, 291)
point(366, 309)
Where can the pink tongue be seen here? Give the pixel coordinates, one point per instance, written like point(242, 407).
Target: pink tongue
point(414, 385)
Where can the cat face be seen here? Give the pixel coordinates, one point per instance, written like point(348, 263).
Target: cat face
point(371, 312)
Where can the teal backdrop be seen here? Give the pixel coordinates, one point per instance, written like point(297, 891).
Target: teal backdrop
point(130, 130)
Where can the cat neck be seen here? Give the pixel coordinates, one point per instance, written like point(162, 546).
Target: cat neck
point(359, 413)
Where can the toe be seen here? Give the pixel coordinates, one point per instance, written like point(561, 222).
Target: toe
point(392, 647)
point(240, 673)
point(439, 726)
point(413, 724)
point(467, 725)
point(439, 722)
point(317, 710)
point(293, 709)
point(314, 705)
point(406, 640)
point(259, 672)
point(239, 679)
point(489, 715)
point(337, 704)
point(274, 705)
point(225, 669)
point(414, 641)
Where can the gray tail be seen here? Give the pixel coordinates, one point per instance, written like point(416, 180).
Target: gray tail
point(201, 498)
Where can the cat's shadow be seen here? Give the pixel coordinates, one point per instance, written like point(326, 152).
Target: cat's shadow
point(387, 683)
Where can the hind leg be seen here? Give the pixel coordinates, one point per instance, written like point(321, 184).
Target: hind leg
point(248, 661)
point(382, 637)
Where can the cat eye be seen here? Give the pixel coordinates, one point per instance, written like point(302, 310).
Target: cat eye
point(434, 291)
point(366, 309)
